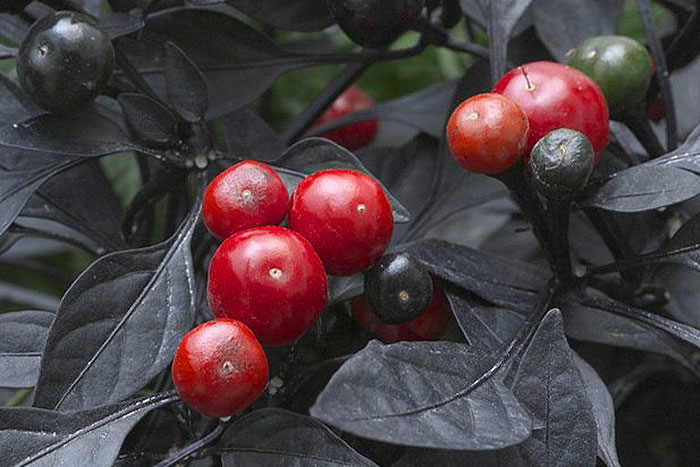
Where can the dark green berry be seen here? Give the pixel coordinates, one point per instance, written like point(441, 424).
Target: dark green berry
point(64, 61)
point(620, 66)
point(560, 163)
point(375, 23)
point(398, 289)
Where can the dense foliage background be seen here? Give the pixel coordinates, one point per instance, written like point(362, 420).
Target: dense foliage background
point(103, 259)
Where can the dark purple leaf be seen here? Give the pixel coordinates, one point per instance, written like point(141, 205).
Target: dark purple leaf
point(39, 437)
point(250, 137)
point(12, 28)
point(186, 85)
point(149, 120)
point(22, 339)
point(119, 324)
point(118, 24)
point(278, 438)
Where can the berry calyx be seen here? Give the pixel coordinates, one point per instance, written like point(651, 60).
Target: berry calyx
point(398, 289)
point(271, 279)
point(220, 368)
point(429, 326)
point(345, 215)
point(556, 96)
point(619, 65)
point(561, 163)
point(375, 23)
point(64, 61)
point(248, 194)
point(487, 133)
point(354, 135)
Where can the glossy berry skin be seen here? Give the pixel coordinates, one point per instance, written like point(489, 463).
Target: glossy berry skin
point(345, 215)
point(398, 289)
point(620, 66)
point(557, 96)
point(64, 61)
point(429, 326)
point(560, 164)
point(487, 133)
point(220, 368)
point(269, 278)
point(355, 135)
point(248, 194)
point(375, 23)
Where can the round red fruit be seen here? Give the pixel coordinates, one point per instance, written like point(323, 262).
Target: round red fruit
point(248, 194)
point(345, 215)
point(557, 96)
point(487, 133)
point(271, 279)
point(430, 326)
point(354, 135)
point(220, 368)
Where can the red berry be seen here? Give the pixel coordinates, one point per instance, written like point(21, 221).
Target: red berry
point(345, 215)
point(355, 135)
point(220, 368)
point(429, 326)
point(248, 194)
point(271, 279)
point(557, 96)
point(487, 133)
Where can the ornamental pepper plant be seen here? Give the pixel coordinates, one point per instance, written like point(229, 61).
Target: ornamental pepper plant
point(396, 233)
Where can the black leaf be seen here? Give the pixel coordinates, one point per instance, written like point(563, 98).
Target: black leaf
point(148, 119)
point(429, 394)
point(22, 338)
point(12, 28)
point(81, 199)
point(297, 15)
point(686, 245)
point(603, 411)
point(249, 137)
point(344, 288)
point(687, 156)
point(83, 134)
point(186, 85)
point(278, 438)
point(646, 187)
point(39, 437)
point(502, 281)
point(118, 24)
point(314, 154)
point(119, 324)
point(502, 17)
point(425, 110)
point(564, 24)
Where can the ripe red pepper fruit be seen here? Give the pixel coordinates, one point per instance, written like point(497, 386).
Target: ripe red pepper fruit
point(248, 194)
point(220, 368)
point(345, 215)
point(271, 279)
point(557, 96)
point(487, 133)
point(430, 326)
point(354, 135)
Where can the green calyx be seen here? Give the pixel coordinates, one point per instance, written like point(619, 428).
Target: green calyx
point(561, 163)
point(620, 66)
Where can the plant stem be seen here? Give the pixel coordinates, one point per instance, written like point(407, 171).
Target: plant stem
point(197, 445)
point(558, 216)
point(322, 100)
point(661, 72)
point(13, 293)
point(438, 36)
point(636, 121)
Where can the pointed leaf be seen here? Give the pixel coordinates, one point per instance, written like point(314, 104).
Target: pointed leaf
point(119, 324)
point(148, 119)
point(186, 85)
point(278, 438)
point(423, 394)
point(22, 338)
point(44, 438)
point(249, 137)
point(120, 24)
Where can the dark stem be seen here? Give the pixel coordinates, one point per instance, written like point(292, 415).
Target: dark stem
point(661, 72)
point(438, 36)
point(558, 216)
point(192, 448)
point(69, 240)
point(514, 179)
point(615, 240)
point(642, 260)
point(12, 293)
point(323, 99)
point(637, 122)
